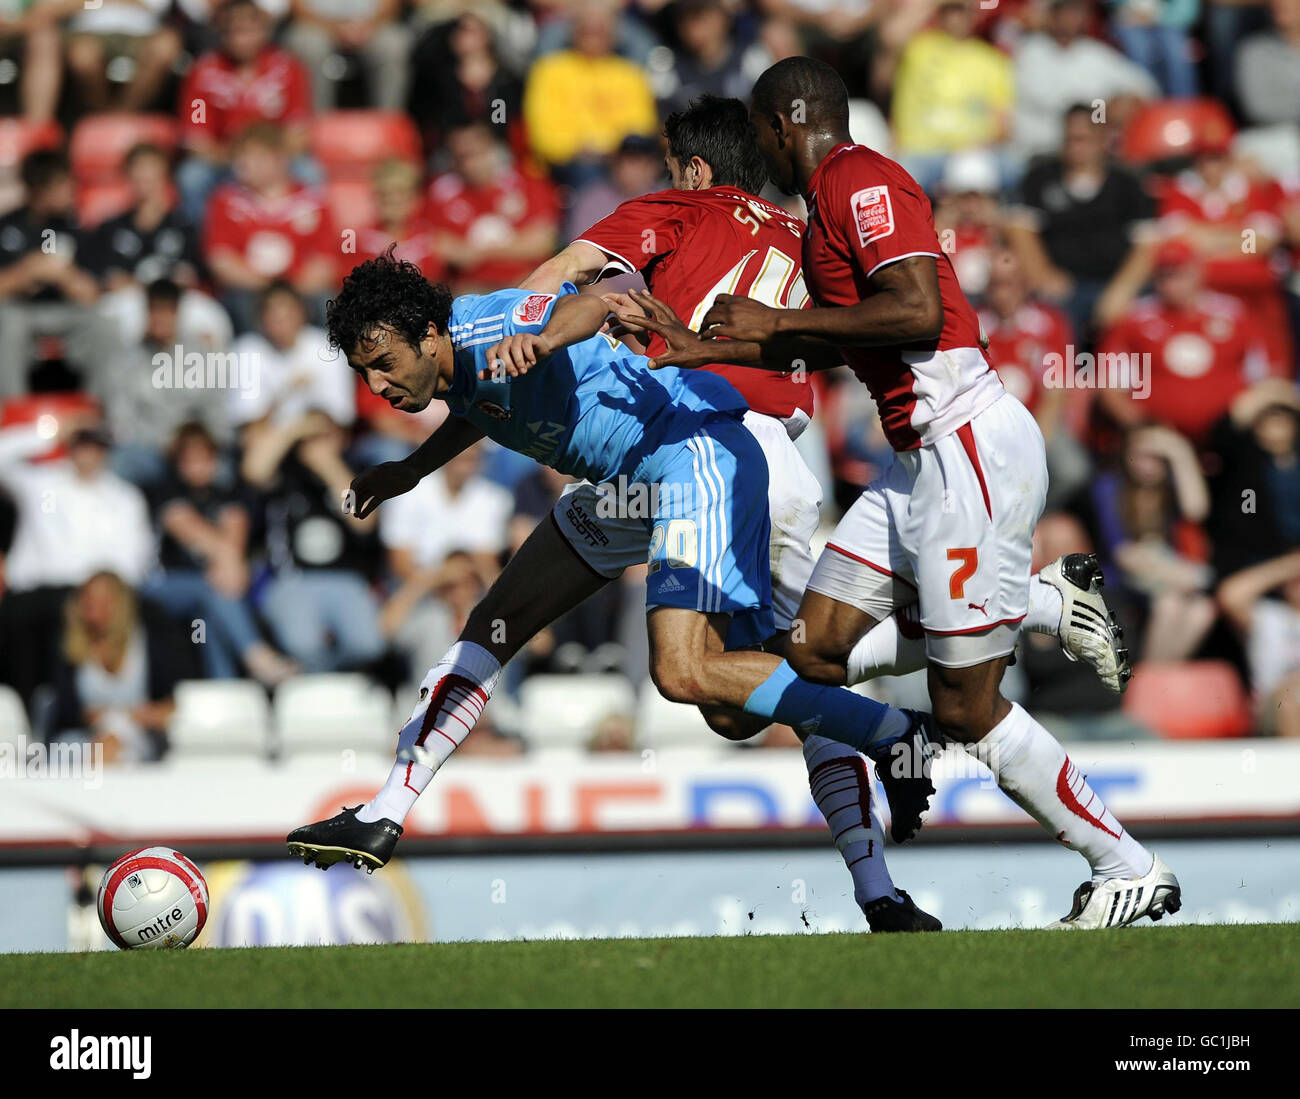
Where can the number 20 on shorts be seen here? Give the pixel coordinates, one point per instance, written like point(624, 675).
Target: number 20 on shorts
point(677, 538)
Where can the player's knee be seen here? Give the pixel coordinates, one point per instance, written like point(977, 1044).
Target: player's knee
point(678, 683)
point(817, 664)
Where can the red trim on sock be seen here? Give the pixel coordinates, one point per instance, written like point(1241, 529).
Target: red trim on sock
point(438, 697)
point(1065, 792)
point(856, 766)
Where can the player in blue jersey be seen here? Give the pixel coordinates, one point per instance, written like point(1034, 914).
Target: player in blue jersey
point(588, 407)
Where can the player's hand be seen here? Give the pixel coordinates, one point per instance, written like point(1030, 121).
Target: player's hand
point(684, 347)
point(620, 302)
point(515, 356)
point(377, 484)
point(734, 317)
point(623, 303)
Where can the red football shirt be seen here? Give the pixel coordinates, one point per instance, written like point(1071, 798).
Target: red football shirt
point(1019, 346)
point(1241, 203)
point(1200, 358)
point(218, 99)
point(492, 215)
point(864, 212)
point(274, 236)
point(692, 246)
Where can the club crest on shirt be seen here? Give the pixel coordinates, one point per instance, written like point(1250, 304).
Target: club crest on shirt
point(490, 408)
point(533, 308)
point(873, 214)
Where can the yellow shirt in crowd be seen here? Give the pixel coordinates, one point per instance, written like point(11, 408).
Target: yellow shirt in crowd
point(950, 93)
point(576, 104)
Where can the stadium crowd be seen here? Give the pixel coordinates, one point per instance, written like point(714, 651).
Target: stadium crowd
point(186, 182)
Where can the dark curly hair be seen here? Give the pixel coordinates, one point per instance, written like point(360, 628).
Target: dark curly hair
point(388, 291)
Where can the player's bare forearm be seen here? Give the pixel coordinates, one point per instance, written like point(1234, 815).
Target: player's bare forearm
point(574, 318)
point(781, 354)
point(1238, 593)
point(689, 350)
point(580, 263)
point(904, 307)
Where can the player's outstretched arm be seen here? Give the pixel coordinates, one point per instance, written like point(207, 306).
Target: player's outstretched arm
point(688, 350)
point(574, 318)
point(382, 482)
point(904, 307)
point(580, 263)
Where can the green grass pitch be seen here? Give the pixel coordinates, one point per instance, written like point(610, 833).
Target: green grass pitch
point(1192, 966)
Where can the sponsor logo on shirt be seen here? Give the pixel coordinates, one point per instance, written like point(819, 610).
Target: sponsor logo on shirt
point(533, 308)
point(873, 214)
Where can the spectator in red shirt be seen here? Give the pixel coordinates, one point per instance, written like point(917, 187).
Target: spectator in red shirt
point(1197, 350)
point(494, 223)
point(1235, 223)
point(1024, 335)
point(265, 227)
point(245, 80)
point(401, 220)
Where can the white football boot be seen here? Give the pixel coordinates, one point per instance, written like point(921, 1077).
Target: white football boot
point(1117, 902)
point(1088, 631)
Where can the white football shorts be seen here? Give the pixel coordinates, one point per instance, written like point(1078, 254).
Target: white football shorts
point(949, 525)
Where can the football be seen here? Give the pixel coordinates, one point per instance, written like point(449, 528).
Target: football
point(152, 898)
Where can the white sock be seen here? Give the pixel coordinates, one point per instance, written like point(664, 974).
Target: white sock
point(452, 697)
point(1033, 770)
point(1046, 605)
point(841, 786)
point(888, 648)
point(406, 782)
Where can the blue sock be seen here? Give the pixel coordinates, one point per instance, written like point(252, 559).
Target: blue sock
point(833, 712)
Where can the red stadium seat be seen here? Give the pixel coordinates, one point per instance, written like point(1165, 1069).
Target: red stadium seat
point(1175, 128)
point(348, 144)
point(30, 408)
point(100, 142)
point(1189, 700)
point(99, 201)
point(19, 137)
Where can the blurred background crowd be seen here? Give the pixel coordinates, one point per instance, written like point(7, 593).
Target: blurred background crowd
point(184, 183)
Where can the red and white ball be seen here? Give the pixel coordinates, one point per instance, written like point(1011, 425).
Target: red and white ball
point(153, 898)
